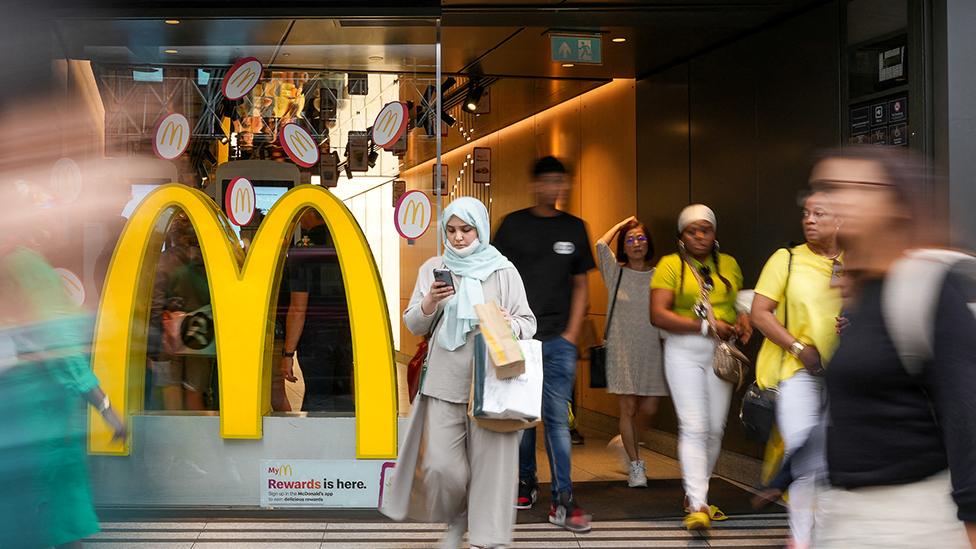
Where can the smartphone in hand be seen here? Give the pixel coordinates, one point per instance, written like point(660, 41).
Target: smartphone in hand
point(444, 275)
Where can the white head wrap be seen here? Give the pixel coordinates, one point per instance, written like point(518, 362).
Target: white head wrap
point(696, 212)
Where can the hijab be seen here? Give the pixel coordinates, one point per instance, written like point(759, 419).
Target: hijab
point(472, 268)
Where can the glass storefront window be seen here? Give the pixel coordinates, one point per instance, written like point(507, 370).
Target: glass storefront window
point(329, 287)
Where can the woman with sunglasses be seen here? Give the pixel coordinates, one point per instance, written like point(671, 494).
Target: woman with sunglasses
point(635, 372)
point(701, 399)
point(796, 307)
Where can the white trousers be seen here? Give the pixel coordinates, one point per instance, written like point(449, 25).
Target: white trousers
point(920, 515)
point(701, 401)
point(799, 416)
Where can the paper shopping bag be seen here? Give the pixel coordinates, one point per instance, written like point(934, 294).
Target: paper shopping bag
point(516, 398)
point(503, 346)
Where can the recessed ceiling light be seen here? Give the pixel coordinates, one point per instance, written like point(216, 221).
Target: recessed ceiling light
point(375, 58)
point(172, 21)
point(568, 65)
point(170, 51)
point(619, 39)
point(286, 54)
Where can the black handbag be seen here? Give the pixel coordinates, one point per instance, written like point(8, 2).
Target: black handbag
point(598, 353)
point(758, 410)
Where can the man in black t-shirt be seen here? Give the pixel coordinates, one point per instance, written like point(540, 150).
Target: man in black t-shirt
point(317, 322)
point(551, 250)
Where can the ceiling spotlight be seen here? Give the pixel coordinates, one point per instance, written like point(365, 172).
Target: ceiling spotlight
point(170, 51)
point(568, 65)
point(372, 157)
point(172, 21)
point(619, 40)
point(224, 140)
point(474, 96)
point(348, 171)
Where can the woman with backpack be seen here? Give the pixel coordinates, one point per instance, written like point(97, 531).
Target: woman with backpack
point(796, 308)
point(901, 436)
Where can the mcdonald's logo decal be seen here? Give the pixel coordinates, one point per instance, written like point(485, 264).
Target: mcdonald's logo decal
point(390, 124)
point(413, 215)
point(172, 136)
point(242, 294)
point(66, 180)
point(241, 78)
point(239, 201)
point(299, 145)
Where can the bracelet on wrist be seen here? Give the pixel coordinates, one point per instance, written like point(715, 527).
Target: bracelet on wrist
point(287, 354)
point(796, 348)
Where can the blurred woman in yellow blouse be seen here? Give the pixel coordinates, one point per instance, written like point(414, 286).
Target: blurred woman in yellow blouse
point(701, 399)
point(796, 308)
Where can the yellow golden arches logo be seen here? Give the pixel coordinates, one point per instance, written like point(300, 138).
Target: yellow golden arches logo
point(242, 292)
point(412, 209)
point(244, 77)
point(175, 133)
point(241, 78)
point(242, 200)
point(171, 137)
point(299, 145)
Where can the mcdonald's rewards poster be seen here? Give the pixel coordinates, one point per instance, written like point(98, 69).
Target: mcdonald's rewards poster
point(311, 483)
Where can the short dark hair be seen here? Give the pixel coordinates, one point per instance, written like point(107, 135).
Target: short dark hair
point(548, 164)
point(622, 236)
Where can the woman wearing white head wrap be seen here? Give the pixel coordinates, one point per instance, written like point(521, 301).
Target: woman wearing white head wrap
point(455, 465)
point(701, 399)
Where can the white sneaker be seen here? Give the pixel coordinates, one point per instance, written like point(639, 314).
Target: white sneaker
point(638, 474)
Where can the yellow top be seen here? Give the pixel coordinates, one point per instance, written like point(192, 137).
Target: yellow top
point(813, 308)
point(667, 276)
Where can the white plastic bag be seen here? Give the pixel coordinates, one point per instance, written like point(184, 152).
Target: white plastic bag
point(518, 398)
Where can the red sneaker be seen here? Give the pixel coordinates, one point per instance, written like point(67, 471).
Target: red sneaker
point(566, 513)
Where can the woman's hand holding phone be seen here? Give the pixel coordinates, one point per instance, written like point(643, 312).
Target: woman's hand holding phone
point(439, 291)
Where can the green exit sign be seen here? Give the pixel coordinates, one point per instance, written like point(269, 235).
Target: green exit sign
point(576, 48)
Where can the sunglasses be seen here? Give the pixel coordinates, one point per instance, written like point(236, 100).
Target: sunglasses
point(631, 240)
point(706, 274)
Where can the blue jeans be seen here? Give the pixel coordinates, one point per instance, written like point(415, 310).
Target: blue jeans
point(559, 377)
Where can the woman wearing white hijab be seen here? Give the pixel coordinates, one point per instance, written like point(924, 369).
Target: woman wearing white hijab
point(701, 399)
point(451, 465)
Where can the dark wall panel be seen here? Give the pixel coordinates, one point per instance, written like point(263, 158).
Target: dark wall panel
point(662, 154)
point(723, 143)
point(741, 139)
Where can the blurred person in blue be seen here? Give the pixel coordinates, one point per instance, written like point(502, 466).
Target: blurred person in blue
point(45, 383)
point(901, 433)
point(452, 469)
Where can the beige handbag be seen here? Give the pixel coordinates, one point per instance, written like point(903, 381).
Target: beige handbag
point(729, 364)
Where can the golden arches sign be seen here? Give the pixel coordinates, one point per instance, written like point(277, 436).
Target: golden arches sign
point(242, 294)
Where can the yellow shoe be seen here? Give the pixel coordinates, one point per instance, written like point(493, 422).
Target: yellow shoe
point(699, 520)
point(716, 514)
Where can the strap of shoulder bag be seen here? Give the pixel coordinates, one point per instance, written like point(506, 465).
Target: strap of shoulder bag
point(613, 304)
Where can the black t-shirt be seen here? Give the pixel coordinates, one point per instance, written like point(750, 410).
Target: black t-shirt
point(315, 270)
point(548, 252)
point(888, 427)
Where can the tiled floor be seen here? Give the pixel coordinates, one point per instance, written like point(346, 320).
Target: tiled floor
point(765, 531)
point(591, 462)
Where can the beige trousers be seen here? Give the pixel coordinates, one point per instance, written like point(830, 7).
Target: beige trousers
point(467, 469)
point(918, 515)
